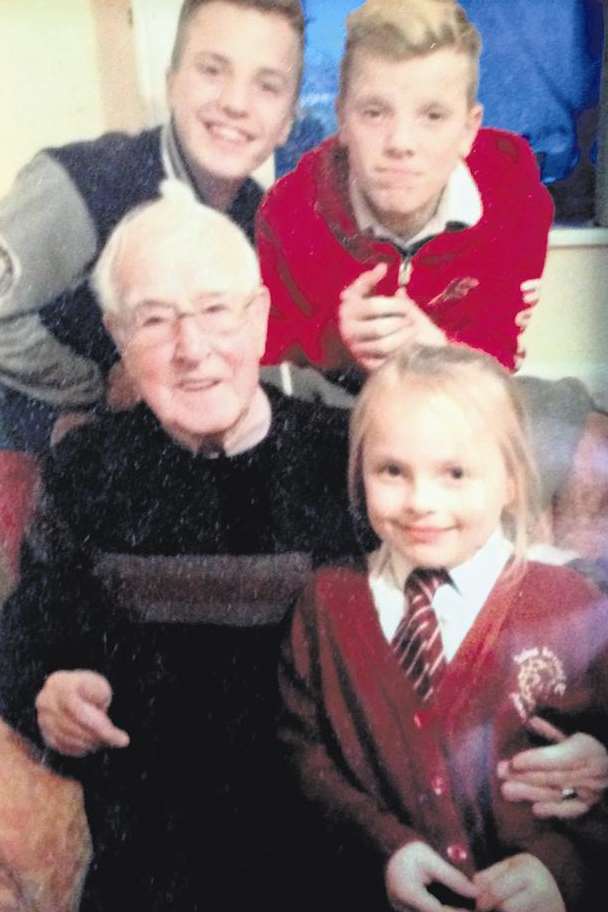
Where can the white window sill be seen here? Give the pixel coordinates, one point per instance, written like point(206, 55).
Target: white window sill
point(583, 236)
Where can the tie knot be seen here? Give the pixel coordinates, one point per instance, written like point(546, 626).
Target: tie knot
point(425, 581)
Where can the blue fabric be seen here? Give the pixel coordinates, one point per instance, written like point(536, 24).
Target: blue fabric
point(25, 424)
point(540, 67)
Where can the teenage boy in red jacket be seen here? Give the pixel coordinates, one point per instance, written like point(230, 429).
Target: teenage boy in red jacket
point(411, 224)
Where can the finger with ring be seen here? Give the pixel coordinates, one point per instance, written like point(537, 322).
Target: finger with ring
point(568, 793)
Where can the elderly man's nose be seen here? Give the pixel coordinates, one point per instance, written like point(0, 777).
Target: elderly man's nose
point(191, 343)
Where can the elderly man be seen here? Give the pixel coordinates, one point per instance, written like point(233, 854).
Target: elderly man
point(142, 644)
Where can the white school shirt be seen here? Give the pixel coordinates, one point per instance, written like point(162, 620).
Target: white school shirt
point(456, 604)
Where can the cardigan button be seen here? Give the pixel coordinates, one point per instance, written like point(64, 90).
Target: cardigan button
point(438, 786)
point(457, 853)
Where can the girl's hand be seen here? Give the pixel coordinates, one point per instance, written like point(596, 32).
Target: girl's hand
point(409, 872)
point(518, 884)
point(539, 775)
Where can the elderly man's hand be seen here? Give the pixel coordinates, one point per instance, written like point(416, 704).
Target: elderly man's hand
point(73, 716)
point(373, 327)
point(540, 775)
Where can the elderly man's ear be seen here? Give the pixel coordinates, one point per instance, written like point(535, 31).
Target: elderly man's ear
point(121, 390)
point(259, 311)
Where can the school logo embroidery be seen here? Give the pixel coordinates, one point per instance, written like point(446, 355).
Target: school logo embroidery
point(9, 269)
point(540, 675)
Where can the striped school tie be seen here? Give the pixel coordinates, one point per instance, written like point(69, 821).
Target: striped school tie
point(417, 642)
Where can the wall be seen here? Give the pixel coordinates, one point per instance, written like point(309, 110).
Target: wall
point(568, 334)
point(67, 72)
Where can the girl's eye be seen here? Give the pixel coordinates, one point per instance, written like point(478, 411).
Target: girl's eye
point(391, 469)
point(456, 472)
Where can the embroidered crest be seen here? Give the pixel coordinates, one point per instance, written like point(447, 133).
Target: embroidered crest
point(9, 269)
point(540, 676)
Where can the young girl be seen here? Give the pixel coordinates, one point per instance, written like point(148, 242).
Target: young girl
point(405, 682)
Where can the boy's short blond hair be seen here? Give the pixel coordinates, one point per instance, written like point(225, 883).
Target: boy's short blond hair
point(478, 384)
point(402, 29)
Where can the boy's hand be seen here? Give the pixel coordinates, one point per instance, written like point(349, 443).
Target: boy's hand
point(518, 884)
point(411, 870)
point(539, 775)
point(72, 713)
point(373, 327)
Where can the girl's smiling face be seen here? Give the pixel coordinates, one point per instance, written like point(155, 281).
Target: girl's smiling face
point(435, 480)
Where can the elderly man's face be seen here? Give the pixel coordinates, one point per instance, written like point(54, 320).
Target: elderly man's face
point(191, 347)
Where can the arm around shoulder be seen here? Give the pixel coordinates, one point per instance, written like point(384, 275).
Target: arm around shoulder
point(47, 240)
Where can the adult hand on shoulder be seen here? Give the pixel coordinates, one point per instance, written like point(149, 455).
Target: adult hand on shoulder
point(517, 883)
point(72, 710)
point(373, 327)
point(410, 871)
point(540, 775)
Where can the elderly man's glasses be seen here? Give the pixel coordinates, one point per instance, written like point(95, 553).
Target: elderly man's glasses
point(216, 317)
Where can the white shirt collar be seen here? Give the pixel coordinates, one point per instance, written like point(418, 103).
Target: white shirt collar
point(493, 554)
point(456, 605)
point(459, 202)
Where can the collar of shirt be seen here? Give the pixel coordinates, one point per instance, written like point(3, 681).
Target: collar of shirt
point(254, 429)
point(171, 156)
point(456, 605)
point(460, 202)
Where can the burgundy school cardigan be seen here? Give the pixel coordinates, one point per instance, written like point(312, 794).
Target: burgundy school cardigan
point(369, 754)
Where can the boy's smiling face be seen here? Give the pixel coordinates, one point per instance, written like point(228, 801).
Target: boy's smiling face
point(233, 92)
point(406, 124)
point(435, 480)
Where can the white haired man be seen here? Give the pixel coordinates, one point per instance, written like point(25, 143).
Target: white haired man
point(142, 643)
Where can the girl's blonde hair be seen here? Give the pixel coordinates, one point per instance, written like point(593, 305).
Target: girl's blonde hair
point(480, 385)
point(402, 29)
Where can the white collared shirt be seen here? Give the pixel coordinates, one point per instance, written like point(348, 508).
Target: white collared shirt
point(459, 202)
point(456, 604)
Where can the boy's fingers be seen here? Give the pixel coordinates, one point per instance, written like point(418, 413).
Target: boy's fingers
point(378, 328)
point(366, 282)
point(545, 729)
